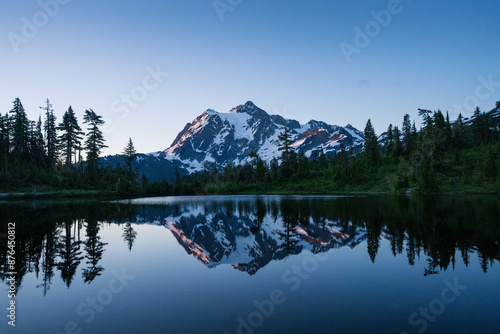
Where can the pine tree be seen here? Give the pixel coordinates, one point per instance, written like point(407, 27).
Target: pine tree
point(39, 152)
point(439, 138)
point(448, 131)
point(71, 136)
point(303, 164)
point(4, 136)
point(426, 179)
point(398, 146)
point(390, 144)
point(20, 130)
point(371, 144)
point(50, 133)
point(129, 152)
point(273, 170)
point(177, 182)
point(480, 128)
point(427, 120)
point(32, 140)
point(322, 162)
point(95, 140)
point(414, 137)
point(260, 170)
point(285, 139)
point(259, 167)
point(459, 135)
point(407, 137)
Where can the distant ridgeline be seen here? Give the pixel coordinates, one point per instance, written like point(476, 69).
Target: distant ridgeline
point(249, 150)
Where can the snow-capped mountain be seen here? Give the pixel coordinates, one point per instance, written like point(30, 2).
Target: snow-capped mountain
point(230, 137)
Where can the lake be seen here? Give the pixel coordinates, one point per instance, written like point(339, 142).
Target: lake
point(251, 264)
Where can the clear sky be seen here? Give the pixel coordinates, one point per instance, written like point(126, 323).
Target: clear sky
point(301, 59)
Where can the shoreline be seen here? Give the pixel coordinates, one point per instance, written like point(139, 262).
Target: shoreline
point(82, 194)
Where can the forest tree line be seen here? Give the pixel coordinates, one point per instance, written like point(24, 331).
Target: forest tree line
point(47, 154)
point(440, 156)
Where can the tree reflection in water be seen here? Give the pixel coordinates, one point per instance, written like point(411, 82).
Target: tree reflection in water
point(65, 236)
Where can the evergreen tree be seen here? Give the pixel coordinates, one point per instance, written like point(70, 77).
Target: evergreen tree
point(426, 179)
point(371, 144)
point(31, 139)
point(390, 144)
point(4, 136)
point(342, 158)
point(459, 136)
point(20, 130)
point(273, 170)
point(407, 137)
point(321, 161)
point(439, 122)
point(95, 140)
point(50, 133)
point(439, 137)
point(38, 151)
point(129, 152)
point(480, 128)
point(285, 139)
point(427, 120)
point(398, 146)
point(71, 136)
point(414, 134)
point(303, 164)
point(259, 167)
point(448, 131)
point(177, 182)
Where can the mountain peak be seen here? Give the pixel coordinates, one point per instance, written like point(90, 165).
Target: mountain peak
point(247, 108)
point(228, 138)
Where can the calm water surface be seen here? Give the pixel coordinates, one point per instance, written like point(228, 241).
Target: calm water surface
point(253, 264)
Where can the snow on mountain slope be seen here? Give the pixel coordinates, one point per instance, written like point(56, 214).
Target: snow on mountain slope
point(228, 138)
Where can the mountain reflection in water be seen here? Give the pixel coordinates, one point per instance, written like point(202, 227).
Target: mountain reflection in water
point(250, 232)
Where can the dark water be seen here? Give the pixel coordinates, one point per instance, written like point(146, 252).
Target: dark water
point(253, 264)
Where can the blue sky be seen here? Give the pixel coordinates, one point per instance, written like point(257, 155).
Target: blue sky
point(285, 56)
